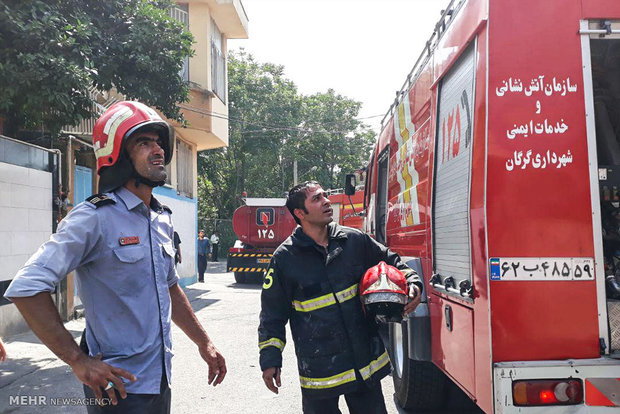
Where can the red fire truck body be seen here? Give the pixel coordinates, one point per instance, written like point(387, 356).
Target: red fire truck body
point(263, 223)
point(260, 225)
point(346, 209)
point(486, 179)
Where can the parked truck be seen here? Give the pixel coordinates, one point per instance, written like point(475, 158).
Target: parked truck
point(263, 223)
point(347, 208)
point(260, 225)
point(497, 177)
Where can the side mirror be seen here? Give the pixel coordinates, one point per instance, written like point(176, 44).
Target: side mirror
point(349, 184)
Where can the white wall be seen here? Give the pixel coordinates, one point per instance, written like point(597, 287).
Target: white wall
point(184, 219)
point(25, 215)
point(25, 223)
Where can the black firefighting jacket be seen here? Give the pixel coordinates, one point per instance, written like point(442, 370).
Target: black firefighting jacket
point(337, 348)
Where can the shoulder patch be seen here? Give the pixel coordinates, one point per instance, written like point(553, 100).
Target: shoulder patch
point(165, 207)
point(99, 200)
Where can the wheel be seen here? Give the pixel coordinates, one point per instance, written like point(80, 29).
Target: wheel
point(418, 385)
point(240, 277)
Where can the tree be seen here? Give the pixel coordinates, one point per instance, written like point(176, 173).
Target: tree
point(52, 51)
point(270, 126)
point(333, 140)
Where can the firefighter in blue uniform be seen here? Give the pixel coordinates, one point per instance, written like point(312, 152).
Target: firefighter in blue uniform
point(120, 245)
point(312, 281)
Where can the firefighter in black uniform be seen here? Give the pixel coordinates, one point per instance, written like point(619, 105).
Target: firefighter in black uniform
point(313, 282)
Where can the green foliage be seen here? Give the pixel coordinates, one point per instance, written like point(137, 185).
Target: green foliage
point(333, 140)
point(270, 126)
point(52, 51)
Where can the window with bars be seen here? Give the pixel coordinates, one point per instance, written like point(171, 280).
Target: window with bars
point(218, 63)
point(185, 179)
point(180, 13)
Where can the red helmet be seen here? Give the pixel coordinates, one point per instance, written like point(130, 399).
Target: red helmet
point(111, 130)
point(383, 290)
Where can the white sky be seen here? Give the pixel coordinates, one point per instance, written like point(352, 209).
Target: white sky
point(363, 49)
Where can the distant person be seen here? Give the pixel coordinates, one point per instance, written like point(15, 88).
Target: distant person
point(176, 241)
point(2, 352)
point(62, 201)
point(119, 243)
point(203, 255)
point(215, 242)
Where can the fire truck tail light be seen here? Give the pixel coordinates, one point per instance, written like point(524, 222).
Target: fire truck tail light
point(235, 250)
point(547, 392)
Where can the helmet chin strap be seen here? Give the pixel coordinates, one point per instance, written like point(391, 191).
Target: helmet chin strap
point(138, 179)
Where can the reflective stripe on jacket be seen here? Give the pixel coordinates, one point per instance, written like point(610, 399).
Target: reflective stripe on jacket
point(317, 291)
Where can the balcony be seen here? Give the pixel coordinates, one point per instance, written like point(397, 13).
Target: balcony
point(230, 17)
point(204, 130)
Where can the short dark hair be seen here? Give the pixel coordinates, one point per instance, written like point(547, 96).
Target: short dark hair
point(297, 197)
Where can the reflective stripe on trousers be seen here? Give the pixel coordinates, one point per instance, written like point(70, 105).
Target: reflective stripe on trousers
point(329, 382)
point(347, 376)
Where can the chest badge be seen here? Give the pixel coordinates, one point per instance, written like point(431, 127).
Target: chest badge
point(125, 241)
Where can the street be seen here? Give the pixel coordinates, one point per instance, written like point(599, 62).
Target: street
point(227, 310)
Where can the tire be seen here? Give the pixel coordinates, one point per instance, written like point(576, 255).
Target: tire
point(240, 277)
point(418, 385)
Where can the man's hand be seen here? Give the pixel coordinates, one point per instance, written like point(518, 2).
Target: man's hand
point(96, 374)
point(271, 375)
point(415, 296)
point(216, 362)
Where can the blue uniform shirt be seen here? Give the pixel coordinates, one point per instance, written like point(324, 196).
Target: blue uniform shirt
point(203, 247)
point(123, 258)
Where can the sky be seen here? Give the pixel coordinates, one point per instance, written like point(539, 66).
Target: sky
point(363, 49)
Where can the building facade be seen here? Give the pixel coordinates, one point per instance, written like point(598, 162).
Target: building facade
point(212, 23)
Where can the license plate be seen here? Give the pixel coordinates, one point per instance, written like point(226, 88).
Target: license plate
point(260, 261)
point(541, 268)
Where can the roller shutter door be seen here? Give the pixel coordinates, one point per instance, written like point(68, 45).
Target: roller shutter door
point(451, 227)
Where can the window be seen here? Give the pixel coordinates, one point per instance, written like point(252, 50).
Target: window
point(218, 63)
point(180, 13)
point(185, 179)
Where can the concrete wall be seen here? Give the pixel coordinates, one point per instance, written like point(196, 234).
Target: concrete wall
point(200, 63)
point(200, 24)
point(25, 223)
point(184, 218)
point(219, 127)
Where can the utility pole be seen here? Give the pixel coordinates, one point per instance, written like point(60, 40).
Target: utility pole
point(294, 172)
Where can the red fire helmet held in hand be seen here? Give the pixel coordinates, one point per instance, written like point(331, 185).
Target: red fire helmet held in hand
point(384, 292)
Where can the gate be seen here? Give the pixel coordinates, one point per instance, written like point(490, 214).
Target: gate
point(82, 189)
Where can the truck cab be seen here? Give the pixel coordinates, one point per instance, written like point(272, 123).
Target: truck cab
point(260, 225)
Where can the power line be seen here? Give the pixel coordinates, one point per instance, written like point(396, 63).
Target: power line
point(267, 126)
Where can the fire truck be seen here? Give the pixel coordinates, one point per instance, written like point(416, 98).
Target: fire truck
point(346, 207)
point(263, 223)
point(260, 225)
point(496, 176)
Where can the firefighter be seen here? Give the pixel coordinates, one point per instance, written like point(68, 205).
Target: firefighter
point(119, 243)
point(312, 281)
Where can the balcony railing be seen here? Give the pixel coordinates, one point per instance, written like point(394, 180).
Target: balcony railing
point(100, 101)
